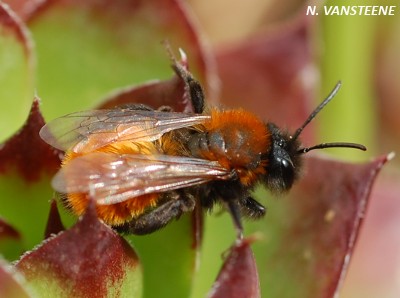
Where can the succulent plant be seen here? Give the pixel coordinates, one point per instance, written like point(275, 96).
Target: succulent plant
point(58, 57)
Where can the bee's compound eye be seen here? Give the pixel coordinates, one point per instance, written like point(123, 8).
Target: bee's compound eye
point(280, 172)
point(285, 163)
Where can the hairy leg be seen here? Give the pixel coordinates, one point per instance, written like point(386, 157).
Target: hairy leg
point(160, 216)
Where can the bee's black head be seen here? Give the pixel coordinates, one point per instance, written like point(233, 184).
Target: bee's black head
point(284, 156)
point(283, 160)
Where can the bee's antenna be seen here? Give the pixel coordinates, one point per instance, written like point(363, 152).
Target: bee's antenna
point(312, 116)
point(317, 110)
point(332, 145)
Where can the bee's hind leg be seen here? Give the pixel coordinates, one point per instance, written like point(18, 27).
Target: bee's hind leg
point(193, 89)
point(160, 216)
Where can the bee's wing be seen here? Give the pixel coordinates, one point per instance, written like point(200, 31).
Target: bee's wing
point(111, 178)
point(88, 130)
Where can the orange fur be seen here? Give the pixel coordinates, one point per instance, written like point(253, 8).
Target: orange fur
point(118, 213)
point(232, 124)
point(170, 146)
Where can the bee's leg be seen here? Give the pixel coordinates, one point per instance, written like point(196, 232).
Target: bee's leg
point(234, 210)
point(246, 206)
point(160, 216)
point(193, 88)
point(251, 208)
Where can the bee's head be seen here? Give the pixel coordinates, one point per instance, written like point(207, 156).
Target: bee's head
point(283, 160)
point(284, 157)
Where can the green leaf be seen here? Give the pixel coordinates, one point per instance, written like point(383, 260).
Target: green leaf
point(26, 165)
point(168, 258)
point(87, 49)
point(10, 241)
point(16, 72)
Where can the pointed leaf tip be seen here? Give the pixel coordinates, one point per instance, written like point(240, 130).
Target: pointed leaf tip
point(27, 152)
point(7, 231)
point(88, 258)
point(11, 244)
point(54, 224)
point(238, 277)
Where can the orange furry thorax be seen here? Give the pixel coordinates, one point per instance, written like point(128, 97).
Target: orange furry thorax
point(246, 138)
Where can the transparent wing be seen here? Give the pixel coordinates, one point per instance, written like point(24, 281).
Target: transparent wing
point(112, 178)
point(88, 130)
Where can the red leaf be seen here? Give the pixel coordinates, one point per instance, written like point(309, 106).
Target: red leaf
point(87, 259)
point(26, 9)
point(7, 231)
point(315, 228)
point(10, 285)
point(374, 268)
point(54, 224)
point(10, 21)
point(153, 94)
point(27, 152)
point(170, 93)
point(11, 242)
point(238, 277)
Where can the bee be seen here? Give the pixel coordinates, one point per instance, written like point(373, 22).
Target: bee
point(146, 167)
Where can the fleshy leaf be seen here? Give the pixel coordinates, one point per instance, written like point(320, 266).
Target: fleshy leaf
point(10, 283)
point(387, 87)
point(27, 152)
point(169, 253)
point(16, 71)
point(238, 276)
point(54, 224)
point(374, 268)
point(10, 241)
point(7, 231)
point(171, 93)
point(119, 44)
point(89, 258)
point(310, 235)
point(154, 94)
point(26, 9)
point(26, 165)
point(270, 73)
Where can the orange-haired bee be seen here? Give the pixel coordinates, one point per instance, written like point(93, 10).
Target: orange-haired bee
point(145, 167)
